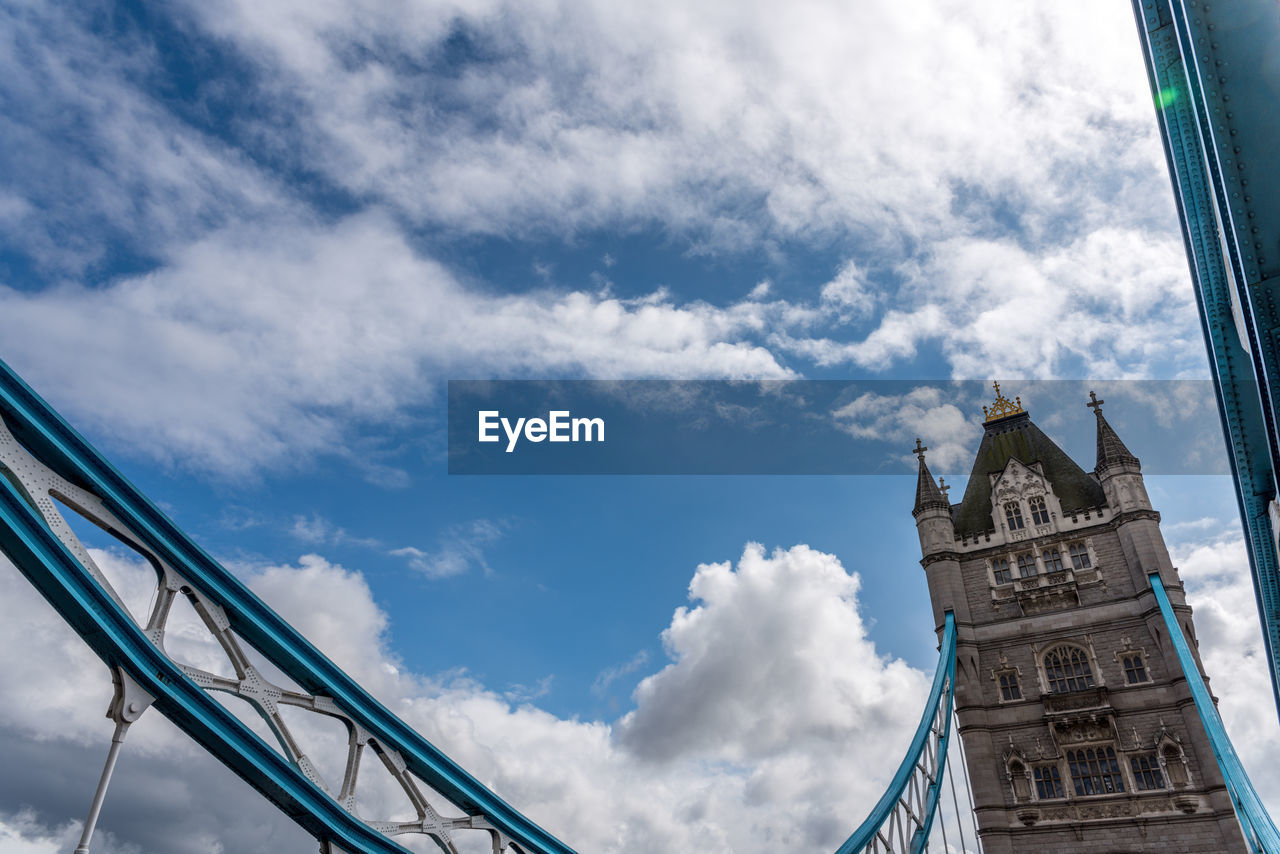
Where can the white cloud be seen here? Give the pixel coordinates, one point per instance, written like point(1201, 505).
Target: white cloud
point(928, 411)
point(460, 549)
point(22, 833)
point(718, 119)
point(754, 674)
point(1000, 199)
point(612, 674)
point(202, 363)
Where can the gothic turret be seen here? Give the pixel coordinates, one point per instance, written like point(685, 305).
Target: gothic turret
point(938, 544)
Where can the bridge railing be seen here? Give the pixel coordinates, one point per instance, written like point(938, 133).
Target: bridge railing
point(1259, 830)
point(45, 466)
point(903, 817)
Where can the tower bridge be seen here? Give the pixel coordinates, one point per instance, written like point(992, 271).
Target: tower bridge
point(1069, 687)
point(1067, 663)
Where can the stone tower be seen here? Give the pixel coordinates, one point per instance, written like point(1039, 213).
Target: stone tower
point(1078, 726)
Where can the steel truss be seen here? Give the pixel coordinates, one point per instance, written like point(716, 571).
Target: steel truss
point(43, 462)
point(903, 817)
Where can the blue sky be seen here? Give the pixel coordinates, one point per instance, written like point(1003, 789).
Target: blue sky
point(243, 247)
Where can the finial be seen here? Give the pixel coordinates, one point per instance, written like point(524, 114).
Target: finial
point(1094, 403)
point(942, 487)
point(919, 449)
point(1002, 407)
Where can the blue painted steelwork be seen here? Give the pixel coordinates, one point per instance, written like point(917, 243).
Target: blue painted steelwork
point(1258, 828)
point(1214, 71)
point(912, 796)
point(112, 633)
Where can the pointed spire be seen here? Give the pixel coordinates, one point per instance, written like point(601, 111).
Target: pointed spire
point(1111, 451)
point(928, 496)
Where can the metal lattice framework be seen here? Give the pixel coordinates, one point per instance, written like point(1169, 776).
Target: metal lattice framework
point(1259, 830)
point(1214, 89)
point(44, 463)
point(903, 817)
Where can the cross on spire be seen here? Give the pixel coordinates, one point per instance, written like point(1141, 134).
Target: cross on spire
point(1094, 403)
point(919, 450)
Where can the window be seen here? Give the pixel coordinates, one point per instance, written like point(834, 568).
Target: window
point(1079, 556)
point(1009, 689)
point(1094, 771)
point(1146, 772)
point(1000, 570)
point(1039, 513)
point(1026, 566)
point(1134, 670)
point(1048, 782)
point(1052, 560)
point(1067, 669)
point(1013, 513)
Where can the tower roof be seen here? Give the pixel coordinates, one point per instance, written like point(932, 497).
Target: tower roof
point(1015, 436)
point(1111, 451)
point(928, 495)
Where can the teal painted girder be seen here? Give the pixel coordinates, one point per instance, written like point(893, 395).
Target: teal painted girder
point(1259, 830)
point(114, 636)
point(1214, 70)
point(936, 721)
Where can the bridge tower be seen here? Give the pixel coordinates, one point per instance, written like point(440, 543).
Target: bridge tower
point(1078, 726)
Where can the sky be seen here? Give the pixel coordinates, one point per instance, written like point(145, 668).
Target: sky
point(244, 246)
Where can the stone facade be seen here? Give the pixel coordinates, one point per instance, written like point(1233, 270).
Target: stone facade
point(1079, 729)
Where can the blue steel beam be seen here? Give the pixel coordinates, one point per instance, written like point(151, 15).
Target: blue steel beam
point(1214, 71)
point(936, 721)
point(120, 642)
point(1258, 828)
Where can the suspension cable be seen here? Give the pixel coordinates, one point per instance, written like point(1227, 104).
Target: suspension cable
point(968, 791)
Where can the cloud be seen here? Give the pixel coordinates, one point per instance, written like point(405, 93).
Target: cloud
point(738, 764)
point(319, 530)
point(926, 411)
point(610, 675)
point(755, 670)
point(201, 363)
point(723, 123)
point(1018, 222)
point(460, 549)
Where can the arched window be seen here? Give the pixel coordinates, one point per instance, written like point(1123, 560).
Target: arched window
point(1026, 566)
point(1080, 556)
point(1013, 513)
point(1066, 668)
point(1000, 570)
point(1095, 771)
point(1039, 513)
point(1052, 560)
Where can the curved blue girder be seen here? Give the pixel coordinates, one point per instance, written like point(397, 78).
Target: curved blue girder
point(1258, 828)
point(1214, 94)
point(904, 813)
point(118, 640)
